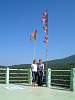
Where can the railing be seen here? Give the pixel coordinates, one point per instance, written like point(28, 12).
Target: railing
point(60, 78)
point(19, 76)
point(2, 75)
point(15, 75)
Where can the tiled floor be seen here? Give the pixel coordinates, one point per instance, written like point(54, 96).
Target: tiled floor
point(18, 92)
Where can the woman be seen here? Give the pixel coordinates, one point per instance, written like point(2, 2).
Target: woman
point(34, 72)
point(40, 73)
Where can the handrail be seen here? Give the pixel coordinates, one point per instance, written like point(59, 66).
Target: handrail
point(61, 75)
point(61, 70)
point(60, 79)
point(59, 84)
point(19, 73)
point(19, 69)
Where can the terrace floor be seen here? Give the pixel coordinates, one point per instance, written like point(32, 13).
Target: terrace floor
point(19, 92)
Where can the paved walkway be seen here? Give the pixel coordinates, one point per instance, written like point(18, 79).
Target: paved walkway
point(18, 92)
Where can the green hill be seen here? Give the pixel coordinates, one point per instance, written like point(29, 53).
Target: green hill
point(65, 63)
point(70, 59)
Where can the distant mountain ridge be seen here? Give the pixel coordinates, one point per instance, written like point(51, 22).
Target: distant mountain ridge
point(68, 60)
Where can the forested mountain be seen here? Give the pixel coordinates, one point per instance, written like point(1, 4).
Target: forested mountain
point(65, 63)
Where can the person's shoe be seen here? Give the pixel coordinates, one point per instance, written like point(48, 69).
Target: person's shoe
point(33, 84)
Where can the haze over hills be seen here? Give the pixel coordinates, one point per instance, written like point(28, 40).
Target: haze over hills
point(65, 63)
point(67, 60)
point(58, 62)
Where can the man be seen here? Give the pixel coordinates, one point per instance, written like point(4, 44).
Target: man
point(40, 73)
point(34, 72)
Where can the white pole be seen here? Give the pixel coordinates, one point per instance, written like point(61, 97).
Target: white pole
point(49, 78)
point(7, 75)
point(34, 49)
point(46, 64)
point(30, 77)
point(72, 79)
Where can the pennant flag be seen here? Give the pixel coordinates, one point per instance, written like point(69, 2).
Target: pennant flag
point(45, 18)
point(44, 21)
point(33, 35)
point(45, 29)
point(46, 39)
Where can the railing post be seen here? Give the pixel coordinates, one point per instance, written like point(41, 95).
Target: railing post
point(72, 81)
point(7, 75)
point(30, 76)
point(49, 78)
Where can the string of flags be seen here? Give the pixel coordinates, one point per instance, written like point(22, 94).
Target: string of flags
point(45, 25)
point(44, 19)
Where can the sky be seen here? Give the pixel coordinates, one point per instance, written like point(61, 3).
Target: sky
point(18, 18)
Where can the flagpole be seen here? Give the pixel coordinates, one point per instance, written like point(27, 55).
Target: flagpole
point(46, 63)
point(34, 49)
point(33, 37)
point(41, 54)
point(46, 54)
point(45, 28)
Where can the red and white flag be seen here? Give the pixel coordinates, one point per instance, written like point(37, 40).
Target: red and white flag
point(33, 35)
